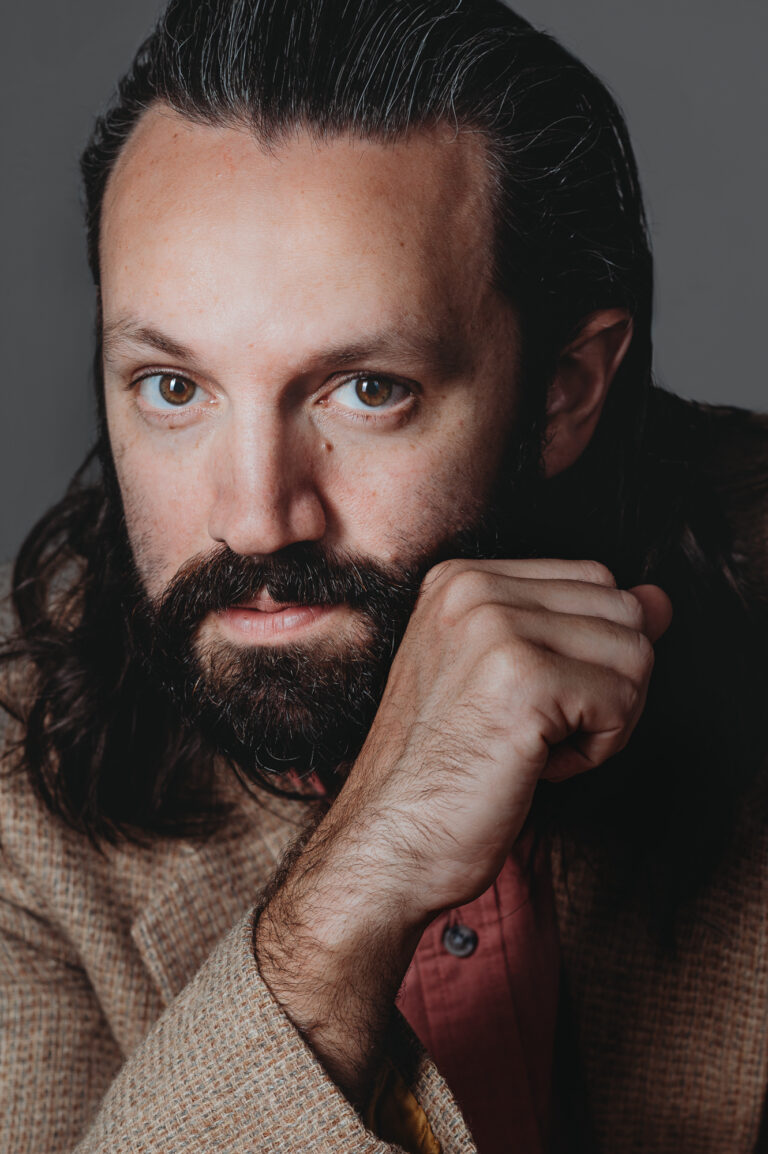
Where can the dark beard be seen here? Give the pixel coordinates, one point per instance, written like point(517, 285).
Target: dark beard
point(291, 711)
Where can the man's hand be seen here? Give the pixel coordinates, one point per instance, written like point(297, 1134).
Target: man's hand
point(509, 671)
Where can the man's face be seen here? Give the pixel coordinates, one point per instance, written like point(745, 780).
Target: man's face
point(303, 351)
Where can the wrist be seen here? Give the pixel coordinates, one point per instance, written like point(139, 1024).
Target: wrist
point(334, 955)
point(343, 895)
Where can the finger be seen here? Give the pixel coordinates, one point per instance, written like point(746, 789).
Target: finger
point(470, 589)
point(588, 639)
point(593, 712)
point(539, 569)
point(567, 760)
point(657, 608)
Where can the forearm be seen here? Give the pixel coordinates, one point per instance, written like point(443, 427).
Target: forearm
point(333, 945)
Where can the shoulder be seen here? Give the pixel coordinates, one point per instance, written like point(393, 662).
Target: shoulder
point(726, 453)
point(735, 461)
point(736, 445)
point(5, 604)
point(730, 443)
point(6, 629)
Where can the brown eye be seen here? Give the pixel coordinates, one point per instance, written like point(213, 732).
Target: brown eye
point(361, 393)
point(168, 390)
point(176, 390)
point(373, 391)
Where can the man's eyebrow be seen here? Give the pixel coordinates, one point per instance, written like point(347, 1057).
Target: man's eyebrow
point(124, 330)
point(425, 347)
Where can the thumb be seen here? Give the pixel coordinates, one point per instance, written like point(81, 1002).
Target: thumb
point(657, 608)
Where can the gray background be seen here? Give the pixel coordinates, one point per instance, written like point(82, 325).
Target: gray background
point(689, 74)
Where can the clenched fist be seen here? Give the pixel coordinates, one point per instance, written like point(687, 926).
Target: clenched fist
point(509, 671)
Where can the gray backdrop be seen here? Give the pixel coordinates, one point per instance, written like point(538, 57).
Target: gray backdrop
point(690, 75)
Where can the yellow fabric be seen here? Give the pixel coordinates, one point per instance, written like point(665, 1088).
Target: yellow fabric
point(395, 1115)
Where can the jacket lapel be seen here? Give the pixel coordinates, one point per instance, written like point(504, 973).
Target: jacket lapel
point(209, 889)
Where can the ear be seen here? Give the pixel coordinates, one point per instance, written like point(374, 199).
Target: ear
point(576, 397)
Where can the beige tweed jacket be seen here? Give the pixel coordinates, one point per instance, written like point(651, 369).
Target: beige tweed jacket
point(133, 1017)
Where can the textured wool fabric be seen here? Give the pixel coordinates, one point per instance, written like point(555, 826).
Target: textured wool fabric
point(674, 1049)
point(133, 1016)
point(132, 1013)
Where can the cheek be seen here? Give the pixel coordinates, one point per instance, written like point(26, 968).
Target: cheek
point(408, 503)
point(159, 509)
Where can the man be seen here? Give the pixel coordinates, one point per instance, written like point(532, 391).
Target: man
point(386, 522)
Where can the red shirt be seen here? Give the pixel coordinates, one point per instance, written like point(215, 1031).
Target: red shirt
point(488, 1017)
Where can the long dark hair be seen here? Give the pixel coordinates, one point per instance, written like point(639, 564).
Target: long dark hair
point(571, 238)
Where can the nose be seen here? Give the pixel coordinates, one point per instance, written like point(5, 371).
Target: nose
point(265, 494)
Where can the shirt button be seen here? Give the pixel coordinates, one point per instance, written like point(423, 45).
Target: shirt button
point(460, 941)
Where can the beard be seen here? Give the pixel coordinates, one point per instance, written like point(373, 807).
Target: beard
point(289, 713)
point(294, 717)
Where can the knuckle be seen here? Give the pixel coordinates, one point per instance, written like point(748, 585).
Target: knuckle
point(513, 662)
point(632, 610)
point(484, 622)
point(621, 741)
point(438, 575)
point(646, 655)
point(596, 573)
point(461, 590)
point(631, 699)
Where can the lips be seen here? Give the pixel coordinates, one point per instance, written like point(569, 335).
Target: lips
point(265, 604)
point(263, 619)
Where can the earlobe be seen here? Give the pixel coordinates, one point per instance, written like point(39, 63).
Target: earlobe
point(586, 367)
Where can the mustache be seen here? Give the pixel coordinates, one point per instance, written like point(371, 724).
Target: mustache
point(303, 574)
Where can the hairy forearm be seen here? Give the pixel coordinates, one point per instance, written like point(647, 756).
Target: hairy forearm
point(334, 948)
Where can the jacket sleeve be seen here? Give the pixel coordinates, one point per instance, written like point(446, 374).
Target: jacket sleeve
point(225, 1070)
point(222, 1069)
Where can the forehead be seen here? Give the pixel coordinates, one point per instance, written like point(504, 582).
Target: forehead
point(203, 219)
